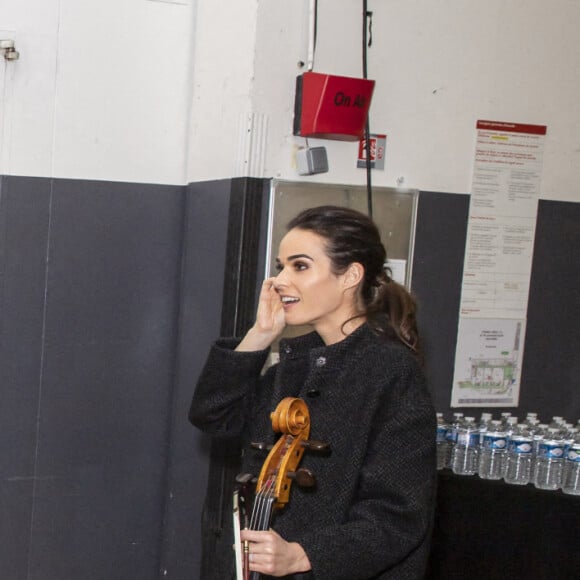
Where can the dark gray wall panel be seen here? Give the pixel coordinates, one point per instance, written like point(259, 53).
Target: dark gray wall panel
point(206, 229)
point(111, 328)
point(245, 262)
point(24, 219)
point(16, 509)
point(244, 267)
point(102, 475)
point(223, 251)
point(437, 274)
point(552, 349)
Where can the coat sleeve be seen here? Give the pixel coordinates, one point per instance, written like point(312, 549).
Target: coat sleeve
point(388, 526)
point(226, 389)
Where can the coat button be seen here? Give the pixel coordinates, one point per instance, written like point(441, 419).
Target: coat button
point(313, 393)
point(320, 361)
point(287, 349)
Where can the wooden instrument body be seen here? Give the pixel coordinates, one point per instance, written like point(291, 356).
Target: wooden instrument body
point(292, 419)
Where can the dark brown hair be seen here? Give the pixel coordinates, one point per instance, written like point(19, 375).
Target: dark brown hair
point(351, 236)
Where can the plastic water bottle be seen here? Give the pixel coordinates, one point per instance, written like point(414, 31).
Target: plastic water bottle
point(550, 461)
point(442, 444)
point(531, 417)
point(540, 431)
point(465, 455)
point(520, 458)
point(457, 419)
point(484, 422)
point(452, 436)
point(567, 431)
point(511, 426)
point(571, 483)
point(570, 437)
point(493, 452)
point(504, 418)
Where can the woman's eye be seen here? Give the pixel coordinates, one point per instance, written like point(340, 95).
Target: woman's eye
point(297, 266)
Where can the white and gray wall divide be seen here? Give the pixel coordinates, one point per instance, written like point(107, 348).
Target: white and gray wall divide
point(125, 128)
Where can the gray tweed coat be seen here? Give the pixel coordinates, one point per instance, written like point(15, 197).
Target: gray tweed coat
point(370, 515)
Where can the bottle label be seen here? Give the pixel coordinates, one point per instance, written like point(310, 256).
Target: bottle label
point(498, 442)
point(441, 434)
point(574, 454)
point(468, 439)
point(520, 445)
point(551, 450)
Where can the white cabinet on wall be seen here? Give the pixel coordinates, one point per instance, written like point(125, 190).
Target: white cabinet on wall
point(101, 90)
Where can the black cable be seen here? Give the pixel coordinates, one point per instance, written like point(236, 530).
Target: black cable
point(366, 16)
point(315, 31)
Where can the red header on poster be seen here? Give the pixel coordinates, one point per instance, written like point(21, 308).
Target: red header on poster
point(512, 127)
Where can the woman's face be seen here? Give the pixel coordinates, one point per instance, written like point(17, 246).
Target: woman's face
point(310, 292)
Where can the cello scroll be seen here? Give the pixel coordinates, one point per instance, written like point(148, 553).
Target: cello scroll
point(291, 418)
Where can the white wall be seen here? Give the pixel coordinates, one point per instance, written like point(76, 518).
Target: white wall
point(439, 66)
point(101, 90)
point(177, 91)
point(445, 64)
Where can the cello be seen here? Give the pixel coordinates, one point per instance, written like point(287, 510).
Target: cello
point(292, 419)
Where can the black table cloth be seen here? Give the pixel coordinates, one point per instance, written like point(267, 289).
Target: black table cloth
point(492, 530)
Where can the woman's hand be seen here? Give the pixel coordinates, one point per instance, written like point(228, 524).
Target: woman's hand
point(270, 320)
point(272, 555)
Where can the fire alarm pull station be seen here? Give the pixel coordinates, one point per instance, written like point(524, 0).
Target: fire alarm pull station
point(331, 107)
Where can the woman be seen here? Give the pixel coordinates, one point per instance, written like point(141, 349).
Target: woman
point(370, 514)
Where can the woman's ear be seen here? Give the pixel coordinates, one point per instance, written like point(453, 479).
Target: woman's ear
point(354, 275)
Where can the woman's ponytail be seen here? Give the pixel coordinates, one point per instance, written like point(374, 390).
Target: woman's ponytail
point(392, 312)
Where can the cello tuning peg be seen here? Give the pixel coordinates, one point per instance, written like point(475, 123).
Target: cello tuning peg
point(261, 446)
point(303, 477)
point(316, 445)
point(244, 478)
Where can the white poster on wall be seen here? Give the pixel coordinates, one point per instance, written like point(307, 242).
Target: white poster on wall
point(497, 267)
point(488, 362)
point(502, 220)
point(498, 264)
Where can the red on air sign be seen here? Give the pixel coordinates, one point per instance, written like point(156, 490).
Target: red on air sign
point(331, 107)
point(378, 145)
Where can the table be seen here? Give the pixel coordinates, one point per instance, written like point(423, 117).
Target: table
point(492, 530)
